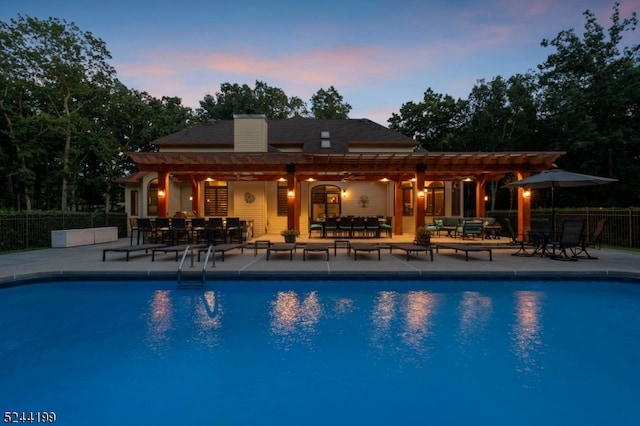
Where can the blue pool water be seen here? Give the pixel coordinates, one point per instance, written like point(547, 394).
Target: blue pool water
point(323, 353)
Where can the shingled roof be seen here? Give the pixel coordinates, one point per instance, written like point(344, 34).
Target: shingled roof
point(297, 131)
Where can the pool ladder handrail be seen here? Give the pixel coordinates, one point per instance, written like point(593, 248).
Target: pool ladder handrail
point(187, 250)
point(184, 256)
point(206, 260)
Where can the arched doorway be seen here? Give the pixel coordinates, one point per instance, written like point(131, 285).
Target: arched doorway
point(326, 201)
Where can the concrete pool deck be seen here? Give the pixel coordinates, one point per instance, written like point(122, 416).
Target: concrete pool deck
point(87, 260)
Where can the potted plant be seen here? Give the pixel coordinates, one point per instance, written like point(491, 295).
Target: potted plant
point(423, 236)
point(289, 235)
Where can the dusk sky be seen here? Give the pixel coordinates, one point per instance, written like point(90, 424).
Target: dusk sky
point(378, 54)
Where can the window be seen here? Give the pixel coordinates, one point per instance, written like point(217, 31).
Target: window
point(134, 203)
point(282, 198)
point(152, 198)
point(407, 198)
point(455, 199)
point(326, 201)
point(434, 199)
point(216, 199)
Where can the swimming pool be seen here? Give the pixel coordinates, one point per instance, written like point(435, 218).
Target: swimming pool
point(323, 352)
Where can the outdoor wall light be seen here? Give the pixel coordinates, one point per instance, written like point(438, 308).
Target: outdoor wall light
point(420, 194)
point(161, 193)
point(344, 193)
point(290, 194)
point(526, 193)
point(486, 198)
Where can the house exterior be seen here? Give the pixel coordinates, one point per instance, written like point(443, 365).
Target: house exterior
point(285, 174)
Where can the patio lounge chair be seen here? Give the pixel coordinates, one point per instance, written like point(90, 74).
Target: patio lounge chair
point(470, 228)
point(518, 240)
point(366, 247)
point(581, 250)
point(540, 236)
point(315, 247)
point(569, 239)
point(130, 249)
point(466, 248)
point(438, 225)
point(412, 248)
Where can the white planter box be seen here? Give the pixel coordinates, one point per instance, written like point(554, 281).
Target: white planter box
point(106, 234)
point(83, 237)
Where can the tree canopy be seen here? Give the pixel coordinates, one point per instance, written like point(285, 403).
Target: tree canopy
point(584, 99)
point(66, 120)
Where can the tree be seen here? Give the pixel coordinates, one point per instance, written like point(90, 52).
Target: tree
point(329, 104)
point(130, 122)
point(590, 91)
point(434, 123)
point(502, 117)
point(262, 99)
point(60, 70)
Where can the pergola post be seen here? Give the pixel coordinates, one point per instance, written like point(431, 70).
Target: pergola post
point(419, 197)
point(291, 197)
point(397, 208)
point(481, 209)
point(524, 207)
point(195, 196)
point(163, 194)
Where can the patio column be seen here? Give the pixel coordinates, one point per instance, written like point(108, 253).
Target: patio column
point(524, 208)
point(419, 203)
point(481, 208)
point(163, 194)
point(397, 208)
point(195, 195)
point(291, 197)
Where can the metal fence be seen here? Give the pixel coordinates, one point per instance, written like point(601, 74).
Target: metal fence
point(621, 229)
point(29, 231)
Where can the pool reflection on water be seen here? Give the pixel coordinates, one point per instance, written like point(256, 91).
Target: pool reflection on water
point(315, 352)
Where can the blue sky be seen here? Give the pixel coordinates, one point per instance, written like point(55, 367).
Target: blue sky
point(378, 54)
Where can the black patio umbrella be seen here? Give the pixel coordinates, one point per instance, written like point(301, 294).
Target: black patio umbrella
point(558, 178)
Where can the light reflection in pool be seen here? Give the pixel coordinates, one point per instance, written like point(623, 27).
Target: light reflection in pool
point(475, 310)
point(418, 309)
point(161, 318)
point(527, 329)
point(208, 318)
point(292, 316)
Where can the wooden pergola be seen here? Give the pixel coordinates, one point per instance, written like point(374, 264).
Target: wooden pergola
point(481, 167)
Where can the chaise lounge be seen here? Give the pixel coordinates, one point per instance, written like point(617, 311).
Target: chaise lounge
point(131, 249)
